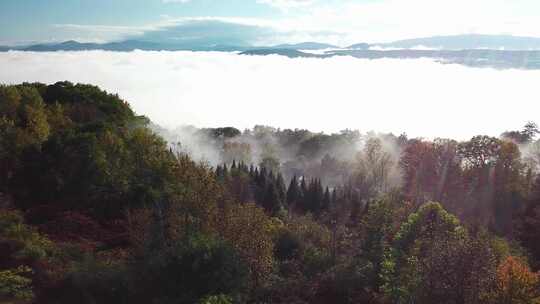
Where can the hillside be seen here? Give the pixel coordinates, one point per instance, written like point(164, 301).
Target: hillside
point(97, 207)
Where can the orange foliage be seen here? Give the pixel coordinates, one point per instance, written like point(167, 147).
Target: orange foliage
point(516, 283)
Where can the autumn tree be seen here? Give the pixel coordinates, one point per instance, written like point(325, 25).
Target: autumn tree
point(250, 231)
point(528, 224)
point(510, 187)
point(409, 250)
point(516, 284)
point(418, 163)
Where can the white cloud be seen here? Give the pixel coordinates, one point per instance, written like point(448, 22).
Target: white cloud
point(420, 97)
point(97, 33)
point(386, 20)
point(177, 28)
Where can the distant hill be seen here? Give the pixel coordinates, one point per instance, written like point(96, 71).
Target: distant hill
point(130, 45)
point(306, 46)
point(500, 59)
point(457, 42)
point(359, 46)
point(121, 46)
point(291, 53)
point(472, 41)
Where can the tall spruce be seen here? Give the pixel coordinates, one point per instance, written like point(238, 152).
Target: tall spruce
point(293, 192)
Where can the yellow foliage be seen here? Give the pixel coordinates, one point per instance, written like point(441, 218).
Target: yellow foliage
point(250, 231)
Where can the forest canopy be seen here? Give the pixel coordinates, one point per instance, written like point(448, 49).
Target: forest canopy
point(99, 205)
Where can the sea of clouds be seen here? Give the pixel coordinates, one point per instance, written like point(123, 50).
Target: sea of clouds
point(208, 89)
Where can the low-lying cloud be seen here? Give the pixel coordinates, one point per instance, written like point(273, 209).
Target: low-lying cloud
point(210, 89)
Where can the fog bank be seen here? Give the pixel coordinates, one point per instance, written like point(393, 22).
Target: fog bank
point(211, 89)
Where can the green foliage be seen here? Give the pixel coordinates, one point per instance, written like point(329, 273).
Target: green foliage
point(81, 144)
point(430, 224)
point(287, 246)
point(189, 271)
point(251, 232)
point(219, 299)
point(30, 244)
point(87, 103)
point(183, 273)
point(345, 284)
point(94, 281)
point(377, 231)
point(15, 284)
point(315, 261)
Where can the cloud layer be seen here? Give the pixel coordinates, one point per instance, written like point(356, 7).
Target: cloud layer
point(419, 97)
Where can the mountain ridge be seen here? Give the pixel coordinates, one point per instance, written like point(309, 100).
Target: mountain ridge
point(451, 42)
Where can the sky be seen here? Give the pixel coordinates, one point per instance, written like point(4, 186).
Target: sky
point(212, 89)
point(261, 22)
point(419, 97)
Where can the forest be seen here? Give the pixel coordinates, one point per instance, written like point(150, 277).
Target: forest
point(100, 205)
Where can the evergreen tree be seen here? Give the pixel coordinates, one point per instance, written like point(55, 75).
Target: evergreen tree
point(219, 172)
point(281, 188)
point(225, 170)
point(293, 192)
point(303, 196)
point(271, 201)
point(326, 199)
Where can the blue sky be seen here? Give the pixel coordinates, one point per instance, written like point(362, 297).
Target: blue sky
point(262, 21)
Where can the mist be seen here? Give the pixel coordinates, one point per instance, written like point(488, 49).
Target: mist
point(213, 89)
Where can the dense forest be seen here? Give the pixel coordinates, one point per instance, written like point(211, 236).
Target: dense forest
point(99, 205)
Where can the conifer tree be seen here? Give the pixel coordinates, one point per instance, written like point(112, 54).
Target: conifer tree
point(271, 202)
point(293, 192)
point(281, 189)
point(326, 199)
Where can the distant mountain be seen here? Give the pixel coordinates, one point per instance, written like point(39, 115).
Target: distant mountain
point(458, 42)
point(306, 46)
point(500, 59)
point(473, 41)
point(64, 46)
point(130, 45)
point(291, 53)
point(121, 46)
point(359, 46)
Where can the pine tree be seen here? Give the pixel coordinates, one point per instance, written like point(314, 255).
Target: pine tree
point(293, 192)
point(280, 187)
point(356, 208)
point(303, 197)
point(317, 197)
point(225, 171)
point(271, 202)
point(326, 199)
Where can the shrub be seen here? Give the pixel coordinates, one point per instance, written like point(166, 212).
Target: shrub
point(15, 284)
